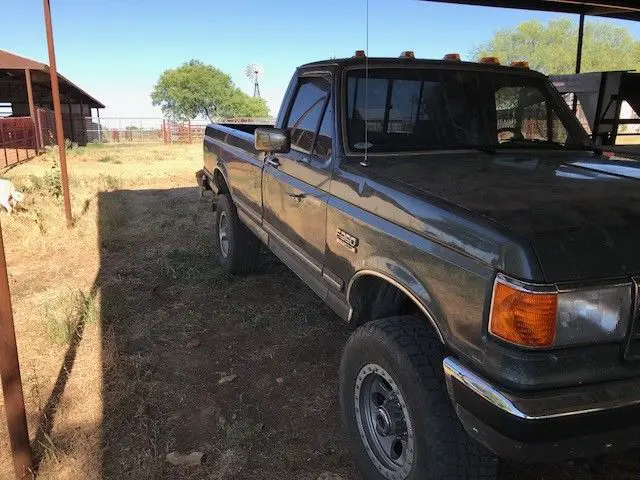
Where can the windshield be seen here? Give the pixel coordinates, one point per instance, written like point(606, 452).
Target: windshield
point(405, 110)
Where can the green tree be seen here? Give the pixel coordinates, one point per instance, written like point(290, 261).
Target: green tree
point(197, 89)
point(551, 48)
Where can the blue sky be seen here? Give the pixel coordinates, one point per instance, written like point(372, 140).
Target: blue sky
point(116, 49)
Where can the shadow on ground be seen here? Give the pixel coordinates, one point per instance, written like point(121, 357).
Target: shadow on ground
point(243, 369)
point(240, 368)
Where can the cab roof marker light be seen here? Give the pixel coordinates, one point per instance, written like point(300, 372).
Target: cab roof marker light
point(408, 54)
point(520, 64)
point(359, 54)
point(490, 60)
point(452, 57)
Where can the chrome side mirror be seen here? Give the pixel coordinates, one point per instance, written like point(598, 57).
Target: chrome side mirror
point(272, 140)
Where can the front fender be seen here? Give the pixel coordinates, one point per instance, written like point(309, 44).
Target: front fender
point(403, 279)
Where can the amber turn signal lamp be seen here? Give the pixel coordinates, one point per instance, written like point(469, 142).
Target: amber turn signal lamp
point(491, 60)
point(523, 318)
point(452, 57)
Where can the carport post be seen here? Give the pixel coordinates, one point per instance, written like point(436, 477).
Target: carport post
point(32, 108)
point(11, 381)
point(580, 39)
point(578, 58)
point(55, 94)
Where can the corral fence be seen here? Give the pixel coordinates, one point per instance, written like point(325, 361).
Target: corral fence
point(150, 129)
point(22, 138)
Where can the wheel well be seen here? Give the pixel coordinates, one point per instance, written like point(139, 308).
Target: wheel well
point(372, 297)
point(220, 182)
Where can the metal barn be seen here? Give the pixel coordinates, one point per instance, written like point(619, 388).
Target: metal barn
point(26, 108)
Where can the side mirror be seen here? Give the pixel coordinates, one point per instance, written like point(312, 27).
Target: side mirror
point(272, 140)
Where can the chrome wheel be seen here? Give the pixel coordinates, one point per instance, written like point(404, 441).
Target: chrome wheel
point(384, 423)
point(223, 233)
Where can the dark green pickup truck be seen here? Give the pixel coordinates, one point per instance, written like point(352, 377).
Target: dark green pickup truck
point(486, 254)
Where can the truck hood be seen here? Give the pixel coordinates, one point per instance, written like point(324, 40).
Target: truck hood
point(579, 211)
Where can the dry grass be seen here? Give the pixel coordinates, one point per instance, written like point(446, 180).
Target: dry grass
point(629, 140)
point(125, 326)
point(52, 272)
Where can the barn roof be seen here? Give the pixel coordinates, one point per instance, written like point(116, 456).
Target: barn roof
point(10, 62)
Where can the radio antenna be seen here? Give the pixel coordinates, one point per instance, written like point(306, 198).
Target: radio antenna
point(365, 161)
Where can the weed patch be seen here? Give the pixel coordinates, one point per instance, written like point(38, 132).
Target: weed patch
point(110, 182)
point(113, 219)
point(241, 432)
point(110, 159)
point(192, 267)
point(68, 312)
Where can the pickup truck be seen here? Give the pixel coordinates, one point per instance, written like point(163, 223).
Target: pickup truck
point(486, 254)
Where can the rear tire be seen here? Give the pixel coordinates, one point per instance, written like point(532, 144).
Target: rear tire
point(235, 247)
point(395, 406)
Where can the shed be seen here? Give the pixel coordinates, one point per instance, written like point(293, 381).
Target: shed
point(25, 91)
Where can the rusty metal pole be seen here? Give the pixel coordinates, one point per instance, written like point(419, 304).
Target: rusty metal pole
point(11, 381)
point(55, 94)
point(189, 127)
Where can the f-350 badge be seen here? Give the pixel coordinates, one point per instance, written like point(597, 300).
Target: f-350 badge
point(347, 240)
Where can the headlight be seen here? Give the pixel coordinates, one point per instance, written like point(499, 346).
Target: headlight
point(545, 316)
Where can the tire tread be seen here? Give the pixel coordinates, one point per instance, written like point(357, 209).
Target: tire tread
point(461, 456)
point(245, 248)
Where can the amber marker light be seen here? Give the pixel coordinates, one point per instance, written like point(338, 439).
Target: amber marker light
point(523, 317)
point(490, 60)
point(520, 64)
point(452, 57)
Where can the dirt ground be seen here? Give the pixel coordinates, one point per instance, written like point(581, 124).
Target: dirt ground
point(134, 344)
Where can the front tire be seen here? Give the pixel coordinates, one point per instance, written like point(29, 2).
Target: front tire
point(235, 247)
point(399, 420)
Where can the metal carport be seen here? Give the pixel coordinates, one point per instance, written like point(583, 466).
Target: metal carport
point(618, 9)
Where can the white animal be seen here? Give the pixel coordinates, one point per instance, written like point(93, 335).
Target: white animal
point(9, 196)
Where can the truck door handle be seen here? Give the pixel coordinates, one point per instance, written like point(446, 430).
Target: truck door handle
point(297, 196)
point(273, 161)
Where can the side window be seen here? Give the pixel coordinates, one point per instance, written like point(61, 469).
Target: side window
point(304, 117)
point(322, 147)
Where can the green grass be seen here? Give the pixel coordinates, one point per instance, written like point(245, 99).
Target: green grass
point(110, 182)
point(110, 159)
point(66, 313)
point(241, 432)
point(112, 221)
point(192, 267)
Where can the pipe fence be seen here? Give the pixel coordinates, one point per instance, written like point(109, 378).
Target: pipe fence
point(151, 129)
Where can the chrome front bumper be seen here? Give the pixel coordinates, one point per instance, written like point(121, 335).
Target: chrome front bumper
point(547, 425)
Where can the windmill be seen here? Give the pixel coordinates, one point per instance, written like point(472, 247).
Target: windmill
point(254, 72)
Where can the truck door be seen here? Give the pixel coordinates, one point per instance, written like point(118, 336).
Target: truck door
point(296, 184)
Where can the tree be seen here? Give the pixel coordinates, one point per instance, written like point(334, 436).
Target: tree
point(551, 48)
point(196, 89)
